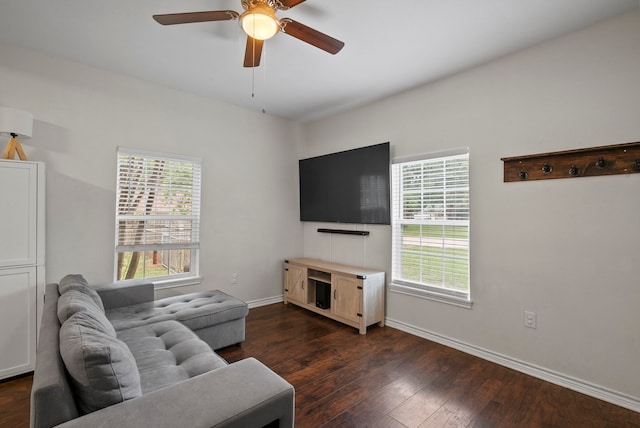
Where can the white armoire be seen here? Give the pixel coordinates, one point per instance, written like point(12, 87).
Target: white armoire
point(21, 263)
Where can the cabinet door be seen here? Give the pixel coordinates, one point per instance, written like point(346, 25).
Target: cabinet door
point(347, 297)
point(294, 283)
point(19, 213)
point(18, 320)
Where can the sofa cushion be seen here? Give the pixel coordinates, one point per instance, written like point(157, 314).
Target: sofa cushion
point(102, 369)
point(131, 316)
point(77, 282)
point(75, 301)
point(195, 310)
point(167, 352)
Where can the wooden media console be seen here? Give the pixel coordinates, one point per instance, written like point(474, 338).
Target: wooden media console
point(356, 295)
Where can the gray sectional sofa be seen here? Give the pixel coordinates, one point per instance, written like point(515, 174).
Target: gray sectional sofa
point(112, 356)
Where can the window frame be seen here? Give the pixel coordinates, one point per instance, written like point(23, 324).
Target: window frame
point(194, 218)
point(436, 292)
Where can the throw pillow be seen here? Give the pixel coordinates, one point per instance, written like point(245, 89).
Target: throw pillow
point(76, 301)
point(103, 371)
point(77, 282)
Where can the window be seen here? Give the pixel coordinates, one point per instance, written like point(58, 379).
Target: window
point(430, 227)
point(157, 217)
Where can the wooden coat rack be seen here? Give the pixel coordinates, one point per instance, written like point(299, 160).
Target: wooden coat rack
point(588, 162)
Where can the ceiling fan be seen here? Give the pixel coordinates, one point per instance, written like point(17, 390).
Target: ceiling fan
point(260, 23)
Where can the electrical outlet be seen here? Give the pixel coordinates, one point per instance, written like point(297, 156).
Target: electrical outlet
point(234, 278)
point(530, 319)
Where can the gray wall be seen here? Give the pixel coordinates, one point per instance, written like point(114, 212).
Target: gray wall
point(566, 249)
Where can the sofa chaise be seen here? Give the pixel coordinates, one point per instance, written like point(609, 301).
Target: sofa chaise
point(112, 356)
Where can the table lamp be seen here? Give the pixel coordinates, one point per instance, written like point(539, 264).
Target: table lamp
point(15, 123)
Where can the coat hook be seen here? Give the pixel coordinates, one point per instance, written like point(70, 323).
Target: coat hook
point(601, 163)
point(574, 171)
point(523, 175)
point(546, 169)
point(636, 166)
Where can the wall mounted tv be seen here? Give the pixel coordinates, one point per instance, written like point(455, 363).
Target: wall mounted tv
point(347, 187)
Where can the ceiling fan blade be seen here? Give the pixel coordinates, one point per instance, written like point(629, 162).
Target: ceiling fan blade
point(311, 36)
point(291, 3)
point(253, 52)
point(189, 17)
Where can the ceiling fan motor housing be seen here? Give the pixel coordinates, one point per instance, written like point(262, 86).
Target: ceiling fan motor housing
point(273, 4)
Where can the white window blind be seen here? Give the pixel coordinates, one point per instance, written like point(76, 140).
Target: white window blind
point(430, 242)
point(157, 215)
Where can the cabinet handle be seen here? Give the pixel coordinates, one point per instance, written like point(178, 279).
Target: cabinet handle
point(334, 294)
point(303, 285)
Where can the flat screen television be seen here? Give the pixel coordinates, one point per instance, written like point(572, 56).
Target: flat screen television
point(347, 187)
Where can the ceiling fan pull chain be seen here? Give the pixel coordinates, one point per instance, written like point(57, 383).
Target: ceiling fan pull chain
point(264, 77)
point(253, 70)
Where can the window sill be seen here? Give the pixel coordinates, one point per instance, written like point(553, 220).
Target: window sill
point(429, 295)
point(176, 282)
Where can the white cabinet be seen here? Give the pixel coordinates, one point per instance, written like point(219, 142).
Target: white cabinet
point(356, 295)
point(21, 264)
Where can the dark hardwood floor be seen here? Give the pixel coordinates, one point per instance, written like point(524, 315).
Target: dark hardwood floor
point(14, 402)
point(389, 378)
point(386, 379)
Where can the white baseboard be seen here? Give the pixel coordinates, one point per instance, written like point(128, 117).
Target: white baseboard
point(587, 388)
point(266, 301)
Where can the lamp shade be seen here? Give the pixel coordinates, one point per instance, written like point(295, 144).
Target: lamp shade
point(260, 22)
point(14, 121)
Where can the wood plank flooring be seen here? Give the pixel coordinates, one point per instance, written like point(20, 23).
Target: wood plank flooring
point(14, 402)
point(386, 378)
point(389, 378)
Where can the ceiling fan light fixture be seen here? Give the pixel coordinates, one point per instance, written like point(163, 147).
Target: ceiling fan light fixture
point(260, 22)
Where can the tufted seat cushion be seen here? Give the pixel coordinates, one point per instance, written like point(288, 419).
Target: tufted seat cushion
point(195, 310)
point(167, 352)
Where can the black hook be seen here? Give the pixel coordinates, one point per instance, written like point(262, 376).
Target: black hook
point(574, 171)
point(601, 163)
point(546, 169)
point(523, 175)
point(636, 167)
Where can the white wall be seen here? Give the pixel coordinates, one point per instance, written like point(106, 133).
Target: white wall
point(249, 190)
point(566, 249)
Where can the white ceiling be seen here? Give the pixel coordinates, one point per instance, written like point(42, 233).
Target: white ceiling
point(391, 46)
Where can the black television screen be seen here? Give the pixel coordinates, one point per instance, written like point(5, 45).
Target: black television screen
point(347, 187)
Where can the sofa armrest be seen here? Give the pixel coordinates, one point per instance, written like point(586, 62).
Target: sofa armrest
point(125, 293)
point(243, 394)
